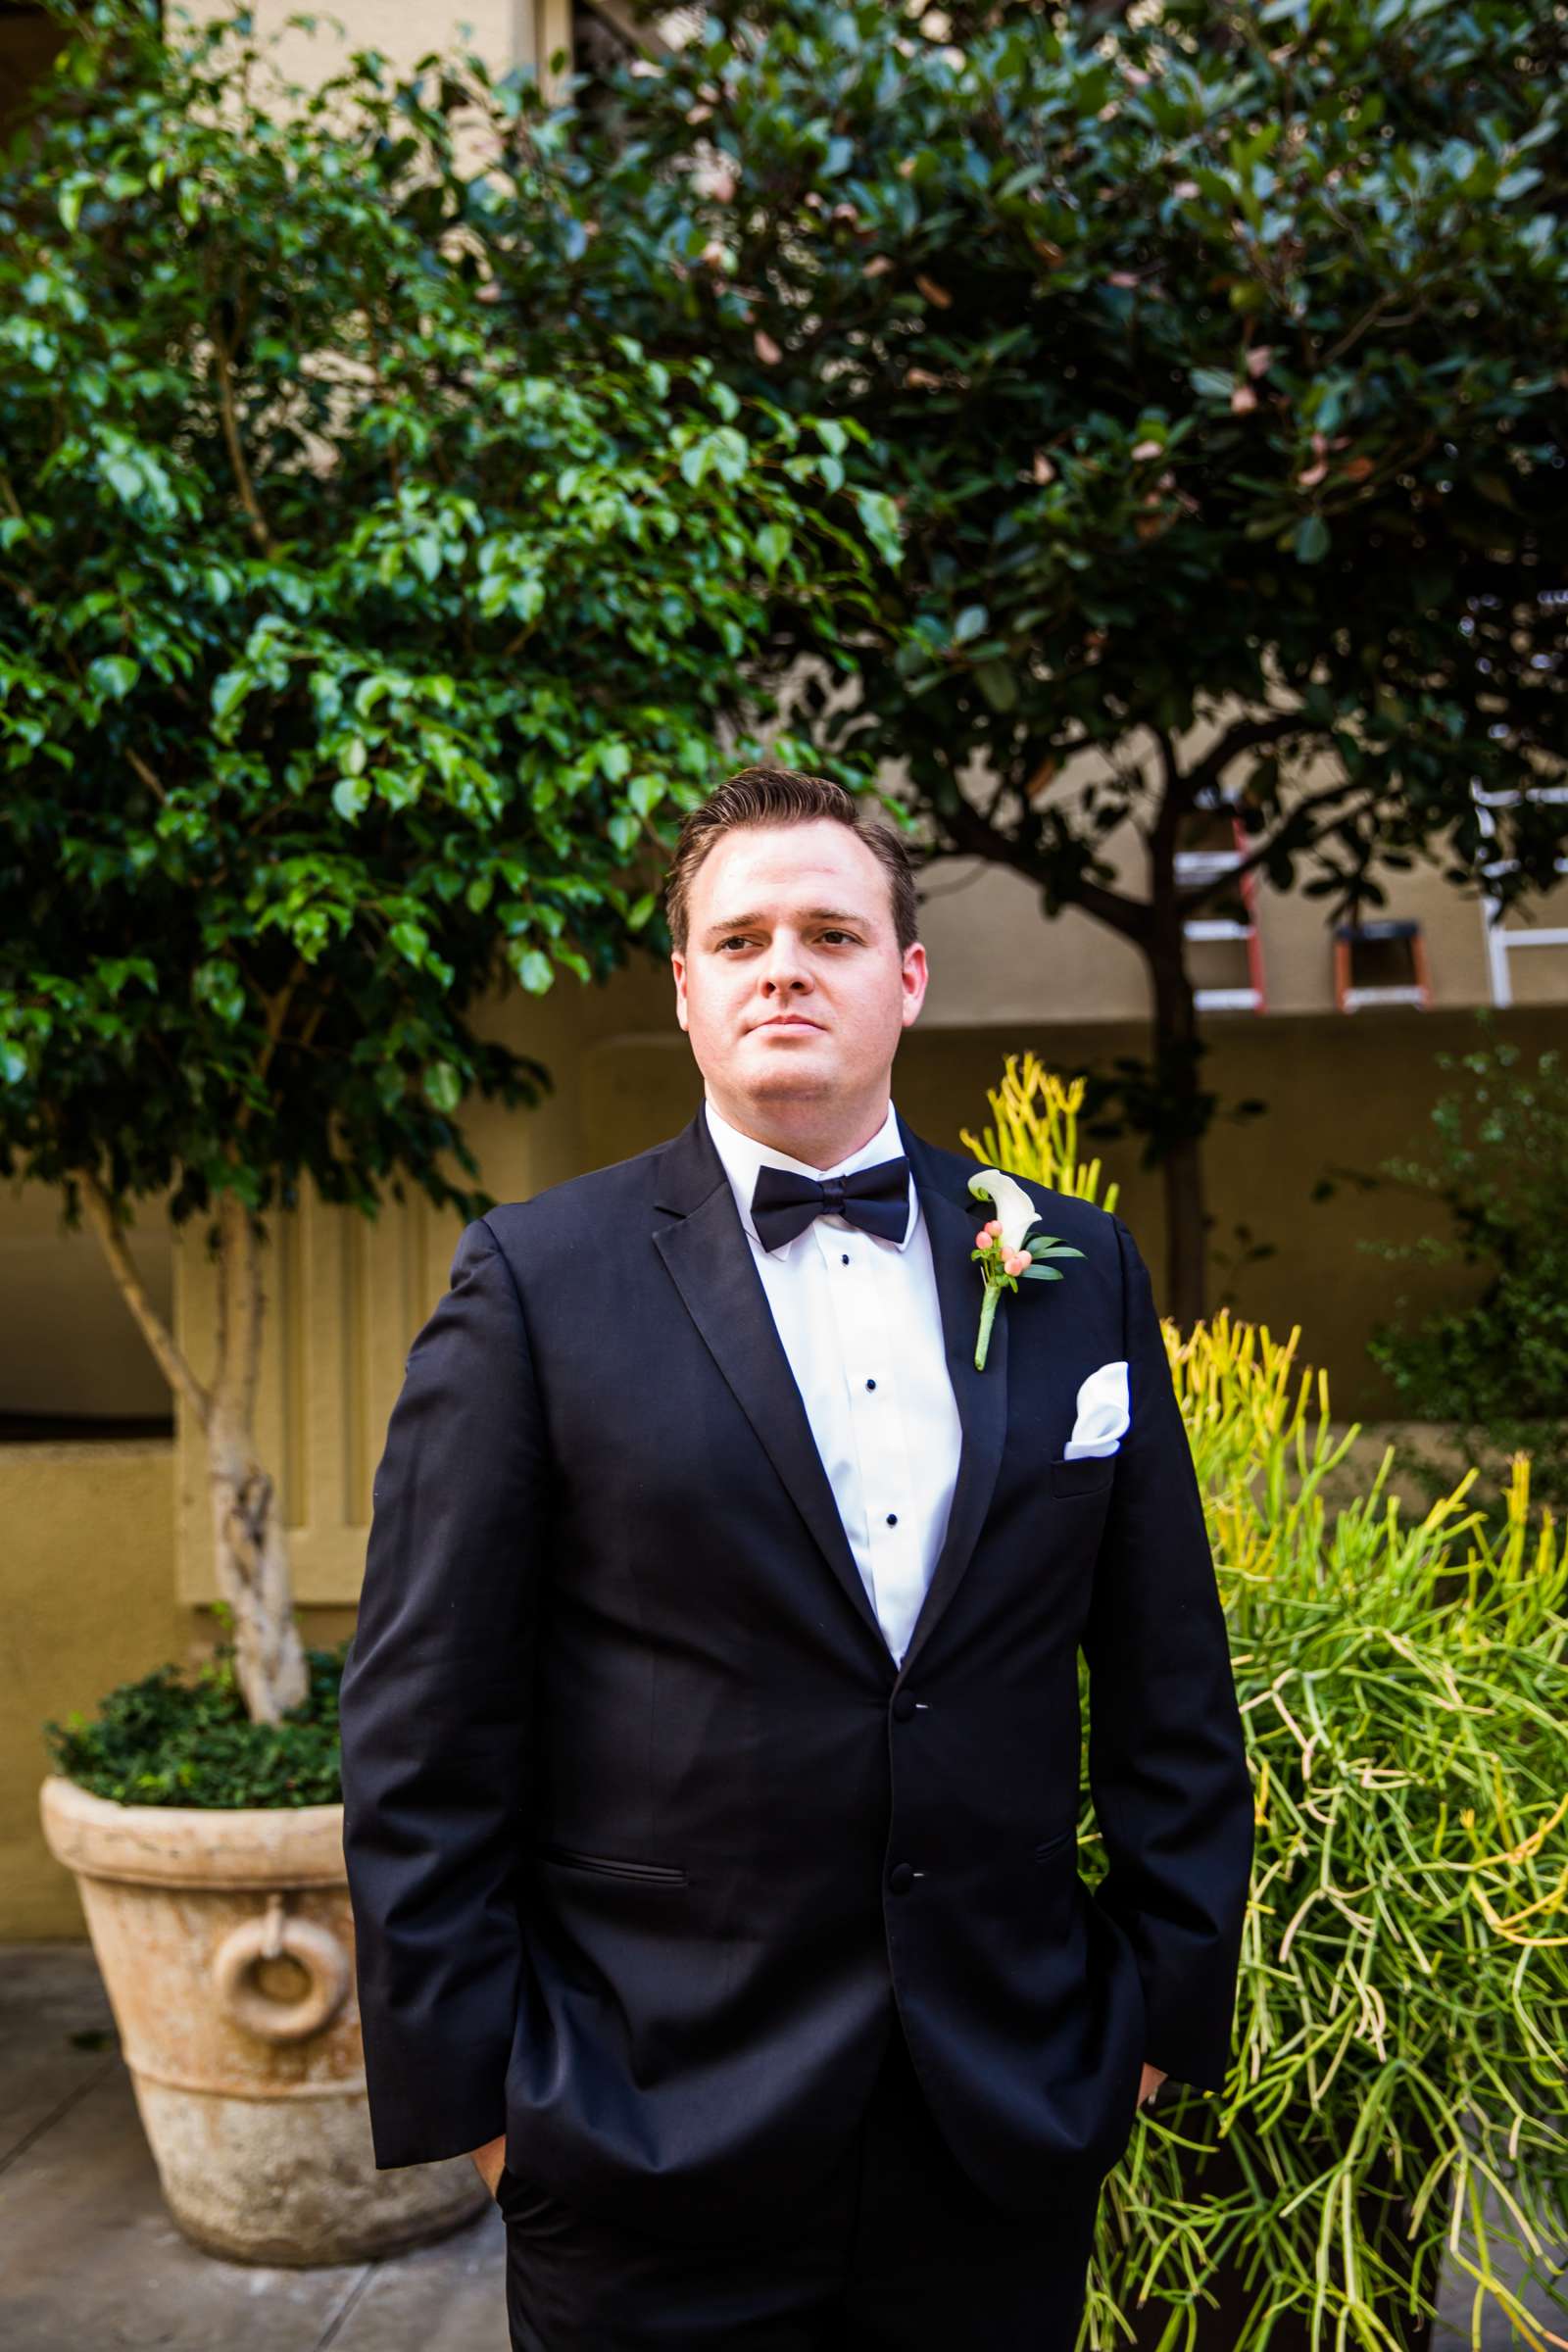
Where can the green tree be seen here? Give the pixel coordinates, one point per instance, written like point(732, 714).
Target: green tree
point(364, 634)
point(1219, 358)
point(1496, 1367)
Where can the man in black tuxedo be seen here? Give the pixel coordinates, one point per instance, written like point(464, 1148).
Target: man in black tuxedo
point(711, 1738)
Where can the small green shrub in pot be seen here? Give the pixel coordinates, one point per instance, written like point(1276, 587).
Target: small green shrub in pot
point(172, 1739)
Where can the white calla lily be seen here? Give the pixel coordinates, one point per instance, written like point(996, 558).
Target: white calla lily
point(1006, 1257)
point(1015, 1211)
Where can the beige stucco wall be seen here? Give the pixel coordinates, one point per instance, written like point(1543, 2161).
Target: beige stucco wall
point(346, 1296)
point(88, 1602)
point(505, 32)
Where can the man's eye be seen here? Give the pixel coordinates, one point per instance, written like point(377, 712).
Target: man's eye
point(738, 939)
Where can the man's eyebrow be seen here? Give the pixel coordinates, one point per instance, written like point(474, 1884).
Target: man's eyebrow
point(813, 914)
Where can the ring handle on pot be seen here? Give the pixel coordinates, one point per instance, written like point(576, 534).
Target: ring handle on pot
point(317, 1950)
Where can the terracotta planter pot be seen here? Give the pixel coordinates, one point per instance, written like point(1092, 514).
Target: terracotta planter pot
point(225, 1944)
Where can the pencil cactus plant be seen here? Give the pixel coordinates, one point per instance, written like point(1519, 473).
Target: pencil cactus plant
point(1402, 2006)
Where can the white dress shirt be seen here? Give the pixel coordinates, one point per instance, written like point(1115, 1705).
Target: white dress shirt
point(860, 1324)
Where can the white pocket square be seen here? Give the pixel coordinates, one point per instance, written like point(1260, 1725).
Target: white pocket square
point(1104, 1412)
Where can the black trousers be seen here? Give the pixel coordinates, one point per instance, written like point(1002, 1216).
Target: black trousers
point(897, 2251)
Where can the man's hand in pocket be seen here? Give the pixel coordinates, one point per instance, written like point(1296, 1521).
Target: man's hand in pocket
point(493, 2155)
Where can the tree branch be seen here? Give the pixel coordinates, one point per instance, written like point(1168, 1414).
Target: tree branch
point(141, 768)
point(1248, 735)
point(170, 1360)
point(1260, 855)
point(237, 455)
point(973, 836)
point(242, 1301)
point(276, 1013)
point(1176, 784)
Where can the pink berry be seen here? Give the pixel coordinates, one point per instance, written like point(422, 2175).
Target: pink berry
point(982, 1240)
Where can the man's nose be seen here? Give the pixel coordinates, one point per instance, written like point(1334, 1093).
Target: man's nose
point(784, 965)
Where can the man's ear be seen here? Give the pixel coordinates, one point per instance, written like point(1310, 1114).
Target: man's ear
point(677, 966)
point(916, 977)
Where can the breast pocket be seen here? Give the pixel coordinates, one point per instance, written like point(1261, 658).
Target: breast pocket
point(1082, 1474)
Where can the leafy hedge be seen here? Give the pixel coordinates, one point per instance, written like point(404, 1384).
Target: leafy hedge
point(187, 1739)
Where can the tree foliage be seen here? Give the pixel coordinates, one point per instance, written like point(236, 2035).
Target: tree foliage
point(365, 628)
point(1217, 352)
point(1219, 357)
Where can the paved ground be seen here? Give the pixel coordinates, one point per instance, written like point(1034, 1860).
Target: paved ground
point(89, 2259)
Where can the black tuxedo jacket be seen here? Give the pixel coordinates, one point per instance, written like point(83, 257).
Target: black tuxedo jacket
point(646, 1832)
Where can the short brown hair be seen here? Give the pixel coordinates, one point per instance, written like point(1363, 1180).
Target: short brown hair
point(782, 796)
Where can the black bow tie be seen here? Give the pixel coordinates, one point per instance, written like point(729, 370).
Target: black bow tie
point(784, 1201)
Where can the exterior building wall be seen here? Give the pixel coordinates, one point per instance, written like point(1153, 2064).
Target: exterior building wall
point(507, 33)
point(88, 1601)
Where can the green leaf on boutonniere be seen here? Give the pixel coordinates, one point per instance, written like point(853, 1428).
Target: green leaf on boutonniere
point(1042, 1273)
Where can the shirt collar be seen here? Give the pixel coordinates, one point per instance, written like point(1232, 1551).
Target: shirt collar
point(742, 1156)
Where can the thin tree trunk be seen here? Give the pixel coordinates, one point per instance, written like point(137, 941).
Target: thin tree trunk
point(1181, 1165)
point(251, 1552)
point(253, 1572)
point(1181, 1117)
point(1186, 1279)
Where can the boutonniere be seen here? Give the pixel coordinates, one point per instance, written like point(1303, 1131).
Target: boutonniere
point(1004, 1251)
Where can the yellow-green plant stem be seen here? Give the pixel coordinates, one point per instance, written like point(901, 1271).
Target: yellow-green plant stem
point(988, 1309)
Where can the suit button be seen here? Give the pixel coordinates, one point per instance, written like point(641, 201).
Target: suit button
point(900, 1877)
point(902, 1705)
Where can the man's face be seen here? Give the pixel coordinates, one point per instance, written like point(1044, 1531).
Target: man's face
point(792, 988)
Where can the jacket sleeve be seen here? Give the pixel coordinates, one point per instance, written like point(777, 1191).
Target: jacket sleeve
point(434, 1718)
point(1167, 1760)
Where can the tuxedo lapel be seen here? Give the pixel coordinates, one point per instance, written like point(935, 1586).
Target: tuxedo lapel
point(953, 1216)
point(709, 1261)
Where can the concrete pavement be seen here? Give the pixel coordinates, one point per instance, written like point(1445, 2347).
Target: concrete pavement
point(89, 2258)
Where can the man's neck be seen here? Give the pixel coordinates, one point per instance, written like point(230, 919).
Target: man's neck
point(822, 1135)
